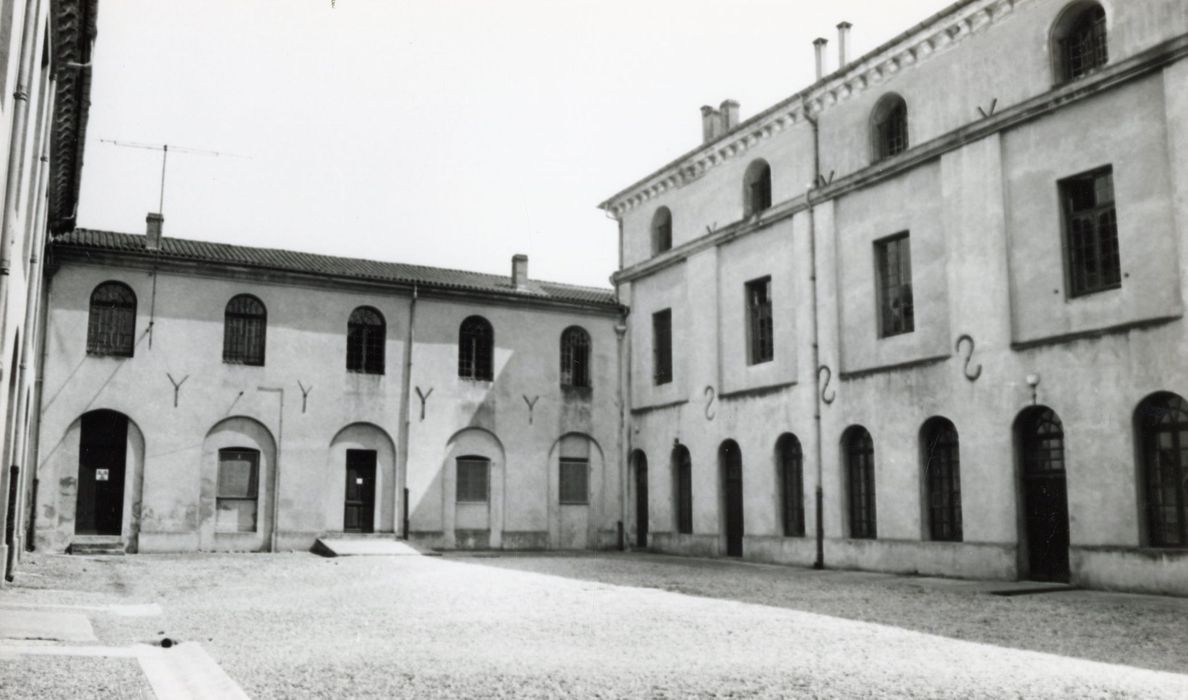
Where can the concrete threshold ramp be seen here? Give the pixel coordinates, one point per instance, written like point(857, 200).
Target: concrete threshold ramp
point(355, 547)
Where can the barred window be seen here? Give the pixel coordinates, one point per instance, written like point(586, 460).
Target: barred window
point(1091, 232)
point(575, 357)
point(661, 230)
point(476, 341)
point(791, 480)
point(890, 127)
point(366, 336)
point(244, 325)
point(472, 479)
point(111, 326)
point(1081, 41)
point(574, 481)
point(858, 449)
point(662, 347)
point(760, 343)
point(682, 467)
point(238, 489)
point(757, 188)
point(942, 475)
point(893, 260)
point(1163, 425)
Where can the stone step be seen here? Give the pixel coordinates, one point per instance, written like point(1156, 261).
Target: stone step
point(97, 544)
point(331, 546)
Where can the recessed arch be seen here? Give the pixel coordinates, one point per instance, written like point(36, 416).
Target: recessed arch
point(941, 479)
point(359, 485)
point(237, 498)
point(858, 456)
point(789, 460)
point(730, 464)
point(1161, 431)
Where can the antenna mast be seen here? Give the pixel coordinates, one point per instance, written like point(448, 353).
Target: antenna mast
point(164, 149)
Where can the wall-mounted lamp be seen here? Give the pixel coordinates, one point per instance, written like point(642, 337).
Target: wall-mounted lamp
point(1033, 381)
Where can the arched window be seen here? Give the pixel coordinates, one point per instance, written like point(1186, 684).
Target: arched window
point(889, 127)
point(790, 473)
point(858, 449)
point(756, 188)
point(366, 335)
point(661, 230)
point(1079, 41)
point(575, 357)
point(476, 341)
point(244, 325)
point(1163, 435)
point(111, 326)
point(682, 473)
point(942, 479)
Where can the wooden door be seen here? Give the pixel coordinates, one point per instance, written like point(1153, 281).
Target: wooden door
point(641, 502)
point(359, 513)
point(1045, 496)
point(102, 453)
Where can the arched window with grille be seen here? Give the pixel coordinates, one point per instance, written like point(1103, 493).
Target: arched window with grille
point(366, 336)
point(942, 479)
point(575, 358)
point(1162, 422)
point(661, 230)
point(756, 188)
point(1080, 42)
point(858, 451)
point(476, 344)
point(889, 127)
point(111, 325)
point(790, 475)
point(245, 323)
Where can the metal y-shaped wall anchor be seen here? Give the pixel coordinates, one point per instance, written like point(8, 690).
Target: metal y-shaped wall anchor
point(176, 386)
point(531, 406)
point(424, 397)
point(304, 393)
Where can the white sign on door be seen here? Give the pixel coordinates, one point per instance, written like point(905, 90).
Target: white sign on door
point(101, 474)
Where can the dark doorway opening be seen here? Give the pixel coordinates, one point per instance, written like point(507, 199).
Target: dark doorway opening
point(1045, 494)
point(730, 457)
point(102, 454)
point(641, 500)
point(359, 514)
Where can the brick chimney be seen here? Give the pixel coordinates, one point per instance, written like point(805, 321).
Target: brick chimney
point(152, 232)
point(819, 45)
point(729, 111)
point(520, 271)
point(711, 124)
point(843, 44)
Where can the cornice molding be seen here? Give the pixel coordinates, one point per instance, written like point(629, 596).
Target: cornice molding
point(921, 43)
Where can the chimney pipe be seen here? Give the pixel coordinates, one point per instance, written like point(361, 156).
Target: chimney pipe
point(843, 44)
point(520, 271)
point(711, 124)
point(819, 47)
point(152, 232)
point(729, 110)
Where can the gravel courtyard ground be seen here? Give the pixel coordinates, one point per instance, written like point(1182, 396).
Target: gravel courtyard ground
point(613, 625)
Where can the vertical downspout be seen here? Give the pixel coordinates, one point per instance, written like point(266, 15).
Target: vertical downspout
point(276, 468)
point(38, 392)
point(819, 563)
point(406, 420)
point(624, 425)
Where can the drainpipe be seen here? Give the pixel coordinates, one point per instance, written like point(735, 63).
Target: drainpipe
point(624, 426)
point(819, 563)
point(276, 469)
point(406, 421)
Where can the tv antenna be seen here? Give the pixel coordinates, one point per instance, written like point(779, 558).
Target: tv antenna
point(165, 148)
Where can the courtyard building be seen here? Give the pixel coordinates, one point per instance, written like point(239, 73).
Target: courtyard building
point(927, 314)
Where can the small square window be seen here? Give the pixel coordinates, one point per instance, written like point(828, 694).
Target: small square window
point(1091, 233)
point(760, 343)
point(472, 479)
point(893, 260)
point(236, 498)
point(574, 482)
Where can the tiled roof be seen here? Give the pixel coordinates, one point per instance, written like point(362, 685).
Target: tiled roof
point(73, 24)
point(81, 240)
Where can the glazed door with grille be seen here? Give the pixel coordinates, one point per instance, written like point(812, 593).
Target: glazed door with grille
point(359, 515)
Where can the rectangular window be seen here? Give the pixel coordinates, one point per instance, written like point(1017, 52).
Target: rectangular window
point(893, 260)
point(760, 345)
point(237, 499)
point(662, 346)
point(574, 483)
point(1091, 232)
point(472, 479)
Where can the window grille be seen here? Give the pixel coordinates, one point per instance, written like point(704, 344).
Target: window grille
point(575, 357)
point(896, 310)
point(574, 481)
point(859, 451)
point(1163, 420)
point(366, 335)
point(472, 479)
point(758, 188)
point(661, 231)
point(244, 325)
point(943, 476)
point(891, 128)
point(662, 346)
point(237, 496)
point(476, 341)
point(1085, 47)
point(683, 466)
point(1091, 230)
point(791, 485)
point(760, 340)
point(111, 325)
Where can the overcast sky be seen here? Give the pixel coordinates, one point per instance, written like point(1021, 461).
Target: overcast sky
point(451, 133)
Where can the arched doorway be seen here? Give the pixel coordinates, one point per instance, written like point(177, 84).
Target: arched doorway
point(730, 460)
point(1040, 437)
point(641, 499)
point(102, 456)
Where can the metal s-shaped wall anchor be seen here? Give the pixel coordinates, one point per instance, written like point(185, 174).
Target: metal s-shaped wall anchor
point(965, 370)
point(710, 396)
point(825, 385)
